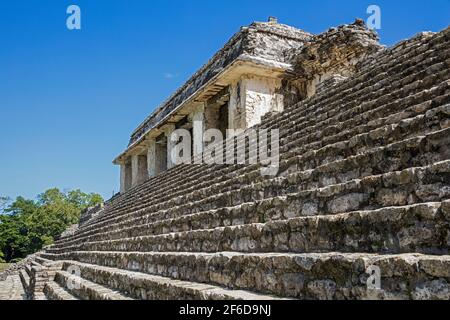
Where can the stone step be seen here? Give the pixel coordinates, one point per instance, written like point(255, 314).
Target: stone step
point(86, 290)
point(39, 296)
point(400, 128)
point(308, 161)
point(400, 154)
point(409, 186)
point(254, 193)
point(403, 47)
point(305, 170)
point(359, 116)
point(53, 291)
point(372, 110)
point(167, 177)
point(12, 289)
point(25, 280)
point(36, 264)
point(379, 159)
point(351, 89)
point(354, 131)
point(312, 204)
point(372, 80)
point(305, 276)
point(418, 60)
point(44, 262)
point(150, 287)
point(422, 228)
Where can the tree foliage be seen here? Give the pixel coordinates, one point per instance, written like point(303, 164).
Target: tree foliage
point(4, 202)
point(2, 257)
point(28, 225)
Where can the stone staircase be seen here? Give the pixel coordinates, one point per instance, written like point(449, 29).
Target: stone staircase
point(364, 182)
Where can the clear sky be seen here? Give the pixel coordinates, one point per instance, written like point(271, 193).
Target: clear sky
point(70, 99)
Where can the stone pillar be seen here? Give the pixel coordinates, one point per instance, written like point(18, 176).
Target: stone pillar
point(251, 98)
point(170, 144)
point(123, 172)
point(138, 169)
point(197, 118)
point(134, 170)
point(151, 158)
point(212, 117)
point(235, 118)
point(125, 177)
point(160, 157)
point(142, 168)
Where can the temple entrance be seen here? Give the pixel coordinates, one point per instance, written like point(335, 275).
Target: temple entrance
point(217, 112)
point(223, 120)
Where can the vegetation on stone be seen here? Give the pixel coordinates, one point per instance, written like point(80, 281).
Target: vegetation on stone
point(26, 226)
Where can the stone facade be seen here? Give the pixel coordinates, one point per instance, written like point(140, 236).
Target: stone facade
point(234, 90)
point(251, 98)
point(363, 186)
point(263, 68)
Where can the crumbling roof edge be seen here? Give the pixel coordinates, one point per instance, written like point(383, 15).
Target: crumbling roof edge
point(262, 27)
point(242, 58)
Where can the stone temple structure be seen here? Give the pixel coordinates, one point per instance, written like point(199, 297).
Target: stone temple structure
point(359, 209)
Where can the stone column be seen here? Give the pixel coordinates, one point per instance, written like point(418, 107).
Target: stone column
point(134, 170)
point(151, 158)
point(212, 117)
point(235, 108)
point(197, 118)
point(251, 98)
point(170, 144)
point(138, 169)
point(160, 157)
point(123, 178)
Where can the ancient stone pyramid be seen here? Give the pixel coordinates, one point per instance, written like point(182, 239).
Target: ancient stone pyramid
point(363, 187)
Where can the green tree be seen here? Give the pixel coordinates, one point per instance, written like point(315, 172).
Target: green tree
point(14, 242)
point(83, 200)
point(21, 207)
point(28, 225)
point(3, 203)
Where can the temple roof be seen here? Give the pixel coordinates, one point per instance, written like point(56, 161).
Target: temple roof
point(263, 43)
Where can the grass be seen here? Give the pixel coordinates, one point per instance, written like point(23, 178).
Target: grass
point(3, 266)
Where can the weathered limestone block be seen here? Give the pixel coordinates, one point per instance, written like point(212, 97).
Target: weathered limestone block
point(432, 290)
point(251, 98)
point(87, 215)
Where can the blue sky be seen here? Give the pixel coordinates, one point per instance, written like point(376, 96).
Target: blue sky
point(70, 99)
